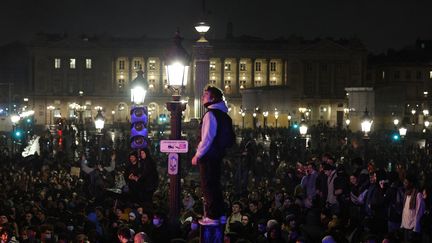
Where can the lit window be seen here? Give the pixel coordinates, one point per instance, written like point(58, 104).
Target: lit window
point(72, 63)
point(212, 82)
point(227, 66)
point(152, 65)
point(212, 66)
point(121, 64)
point(137, 64)
point(258, 66)
point(273, 66)
point(152, 83)
point(383, 75)
point(88, 63)
point(57, 63)
point(121, 84)
point(430, 74)
point(242, 66)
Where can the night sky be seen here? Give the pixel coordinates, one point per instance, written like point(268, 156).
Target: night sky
point(380, 24)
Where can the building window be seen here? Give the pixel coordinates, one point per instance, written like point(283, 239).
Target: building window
point(324, 67)
point(273, 66)
point(397, 75)
point(121, 84)
point(242, 66)
point(152, 65)
point(121, 64)
point(227, 66)
point(152, 83)
point(258, 66)
point(88, 63)
point(308, 67)
point(419, 75)
point(242, 84)
point(72, 63)
point(57, 63)
point(382, 74)
point(407, 74)
point(137, 65)
point(212, 82)
point(212, 66)
point(430, 74)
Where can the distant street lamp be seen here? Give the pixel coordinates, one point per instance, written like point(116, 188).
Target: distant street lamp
point(254, 119)
point(243, 114)
point(303, 129)
point(99, 121)
point(366, 124)
point(99, 124)
point(366, 128)
point(276, 114)
point(177, 66)
point(265, 115)
point(402, 131)
point(396, 122)
point(289, 119)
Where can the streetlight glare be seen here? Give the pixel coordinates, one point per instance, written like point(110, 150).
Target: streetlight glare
point(347, 122)
point(177, 74)
point(138, 94)
point(402, 131)
point(15, 118)
point(202, 27)
point(303, 129)
point(99, 121)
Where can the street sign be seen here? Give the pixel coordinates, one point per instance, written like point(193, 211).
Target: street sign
point(174, 146)
point(173, 163)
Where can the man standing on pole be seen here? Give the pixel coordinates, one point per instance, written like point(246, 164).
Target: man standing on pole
point(216, 136)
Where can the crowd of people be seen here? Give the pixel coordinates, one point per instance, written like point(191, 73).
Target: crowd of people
point(275, 189)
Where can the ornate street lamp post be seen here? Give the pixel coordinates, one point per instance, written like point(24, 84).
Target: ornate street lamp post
point(265, 115)
point(366, 128)
point(99, 124)
point(276, 114)
point(177, 68)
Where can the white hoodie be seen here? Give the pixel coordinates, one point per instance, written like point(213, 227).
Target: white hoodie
point(209, 128)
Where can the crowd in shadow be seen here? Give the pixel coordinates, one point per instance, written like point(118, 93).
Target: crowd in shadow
point(278, 187)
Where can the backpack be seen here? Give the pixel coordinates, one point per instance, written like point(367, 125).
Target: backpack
point(225, 135)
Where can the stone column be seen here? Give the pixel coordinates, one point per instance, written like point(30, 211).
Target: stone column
point(201, 51)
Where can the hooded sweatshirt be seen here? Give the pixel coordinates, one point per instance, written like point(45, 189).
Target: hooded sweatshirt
point(209, 128)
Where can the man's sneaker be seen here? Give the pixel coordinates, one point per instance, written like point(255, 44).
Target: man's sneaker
point(208, 221)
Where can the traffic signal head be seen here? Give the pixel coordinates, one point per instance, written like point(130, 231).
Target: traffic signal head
point(139, 132)
point(18, 134)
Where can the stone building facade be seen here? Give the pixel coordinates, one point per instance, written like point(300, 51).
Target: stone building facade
point(291, 76)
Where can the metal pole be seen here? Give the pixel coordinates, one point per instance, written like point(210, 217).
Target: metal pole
point(175, 107)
